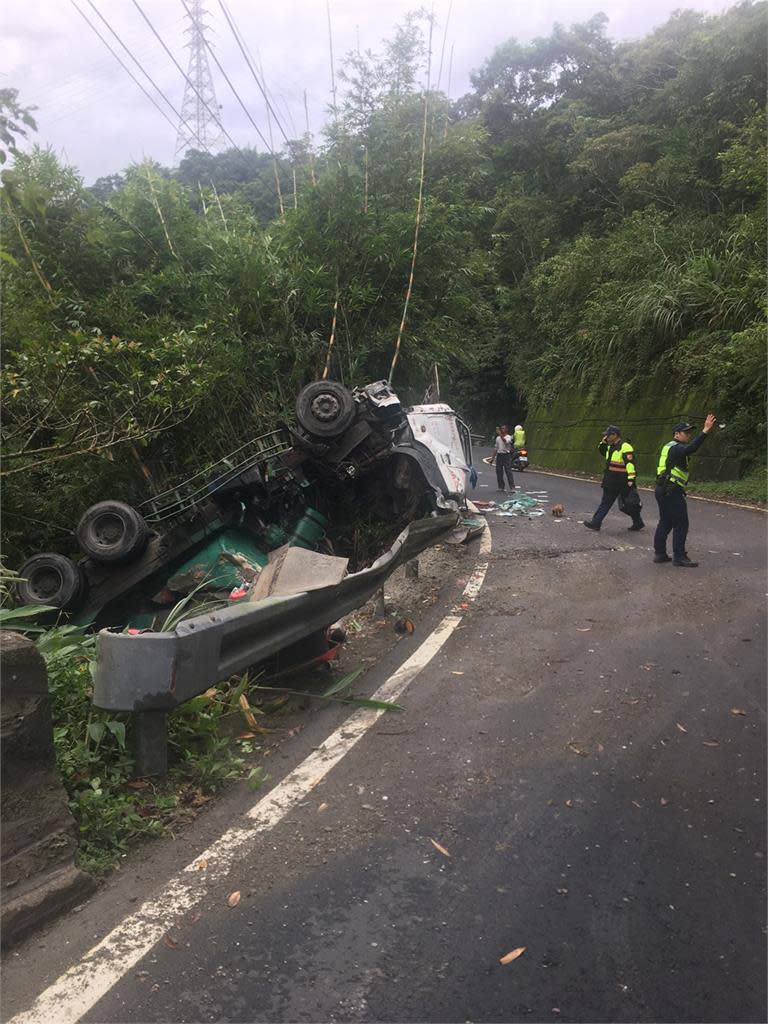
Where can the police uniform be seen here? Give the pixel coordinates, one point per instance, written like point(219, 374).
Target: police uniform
point(618, 476)
point(671, 481)
point(518, 438)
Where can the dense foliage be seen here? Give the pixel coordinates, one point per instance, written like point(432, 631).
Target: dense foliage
point(594, 212)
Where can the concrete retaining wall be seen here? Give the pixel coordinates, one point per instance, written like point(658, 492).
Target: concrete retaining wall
point(38, 838)
point(564, 435)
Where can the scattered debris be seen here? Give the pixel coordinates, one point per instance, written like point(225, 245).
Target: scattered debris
point(439, 848)
point(681, 727)
point(509, 957)
point(169, 941)
point(738, 711)
point(234, 898)
point(403, 626)
point(558, 510)
point(711, 743)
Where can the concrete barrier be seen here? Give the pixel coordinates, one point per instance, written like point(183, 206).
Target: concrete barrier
point(38, 835)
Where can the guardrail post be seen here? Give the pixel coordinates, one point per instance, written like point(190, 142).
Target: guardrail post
point(150, 742)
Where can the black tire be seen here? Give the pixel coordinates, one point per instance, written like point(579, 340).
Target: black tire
point(51, 579)
point(112, 531)
point(325, 409)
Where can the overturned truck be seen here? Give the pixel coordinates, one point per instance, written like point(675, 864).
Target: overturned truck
point(353, 472)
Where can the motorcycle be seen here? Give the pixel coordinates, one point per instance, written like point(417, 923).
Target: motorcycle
point(520, 459)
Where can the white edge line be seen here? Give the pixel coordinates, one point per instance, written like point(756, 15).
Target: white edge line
point(644, 487)
point(78, 990)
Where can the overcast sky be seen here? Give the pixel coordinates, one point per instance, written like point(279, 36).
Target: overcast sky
point(91, 112)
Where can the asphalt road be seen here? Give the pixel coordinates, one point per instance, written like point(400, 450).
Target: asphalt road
point(588, 749)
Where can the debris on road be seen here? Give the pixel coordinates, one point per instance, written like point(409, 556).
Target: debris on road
point(439, 848)
point(509, 957)
point(234, 898)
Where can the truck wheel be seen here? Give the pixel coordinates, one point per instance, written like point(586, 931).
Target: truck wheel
point(325, 409)
point(51, 579)
point(112, 531)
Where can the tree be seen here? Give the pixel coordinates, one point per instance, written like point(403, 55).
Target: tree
point(14, 122)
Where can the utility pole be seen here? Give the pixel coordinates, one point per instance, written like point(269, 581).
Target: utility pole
point(198, 128)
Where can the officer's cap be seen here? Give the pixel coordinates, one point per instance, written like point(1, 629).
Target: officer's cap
point(612, 429)
point(682, 426)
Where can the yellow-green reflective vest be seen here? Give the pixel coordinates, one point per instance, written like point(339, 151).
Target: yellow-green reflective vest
point(620, 460)
point(676, 474)
point(519, 439)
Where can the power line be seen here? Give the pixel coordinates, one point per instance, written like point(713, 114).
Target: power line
point(236, 33)
point(146, 75)
point(125, 68)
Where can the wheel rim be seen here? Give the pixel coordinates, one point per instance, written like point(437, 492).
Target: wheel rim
point(46, 582)
point(108, 529)
point(325, 407)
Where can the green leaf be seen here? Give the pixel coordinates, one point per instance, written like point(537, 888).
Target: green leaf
point(26, 611)
point(118, 731)
point(96, 731)
point(343, 683)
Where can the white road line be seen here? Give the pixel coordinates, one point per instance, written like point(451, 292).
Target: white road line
point(79, 989)
point(643, 487)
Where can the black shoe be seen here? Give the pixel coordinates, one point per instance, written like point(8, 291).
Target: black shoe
point(636, 526)
point(662, 558)
point(685, 563)
point(590, 525)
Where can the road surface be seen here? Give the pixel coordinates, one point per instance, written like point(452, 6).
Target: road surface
point(579, 772)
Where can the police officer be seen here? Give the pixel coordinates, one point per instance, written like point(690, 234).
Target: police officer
point(618, 480)
point(671, 482)
point(518, 438)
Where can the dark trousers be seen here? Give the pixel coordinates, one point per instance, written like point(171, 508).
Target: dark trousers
point(609, 497)
point(673, 515)
point(504, 465)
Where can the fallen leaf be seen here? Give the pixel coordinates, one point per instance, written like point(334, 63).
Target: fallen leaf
point(321, 808)
point(170, 942)
point(663, 801)
point(711, 743)
point(569, 803)
point(637, 804)
point(199, 798)
point(234, 898)
point(461, 674)
point(247, 712)
point(681, 727)
point(573, 746)
point(583, 629)
point(247, 736)
point(509, 957)
point(143, 784)
point(600, 748)
point(202, 864)
point(195, 917)
point(734, 711)
point(439, 848)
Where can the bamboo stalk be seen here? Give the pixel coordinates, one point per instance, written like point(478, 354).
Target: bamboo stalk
point(330, 49)
point(35, 266)
point(221, 210)
point(295, 193)
point(202, 199)
point(419, 209)
point(160, 215)
point(309, 143)
point(365, 179)
point(332, 337)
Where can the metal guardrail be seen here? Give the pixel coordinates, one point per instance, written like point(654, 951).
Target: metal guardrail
point(150, 673)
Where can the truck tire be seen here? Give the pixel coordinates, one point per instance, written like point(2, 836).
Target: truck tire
point(325, 409)
point(51, 579)
point(112, 531)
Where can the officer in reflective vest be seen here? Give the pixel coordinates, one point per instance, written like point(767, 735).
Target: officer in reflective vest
point(518, 438)
point(618, 480)
point(671, 482)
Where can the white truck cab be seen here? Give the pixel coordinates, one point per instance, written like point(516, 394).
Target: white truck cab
point(438, 428)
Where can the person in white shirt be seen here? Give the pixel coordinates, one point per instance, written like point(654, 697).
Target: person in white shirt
point(502, 457)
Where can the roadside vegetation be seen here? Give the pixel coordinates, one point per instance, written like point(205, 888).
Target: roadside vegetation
point(224, 734)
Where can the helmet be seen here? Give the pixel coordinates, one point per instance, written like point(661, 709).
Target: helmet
point(519, 426)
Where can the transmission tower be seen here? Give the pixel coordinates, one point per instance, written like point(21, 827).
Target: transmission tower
point(198, 128)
